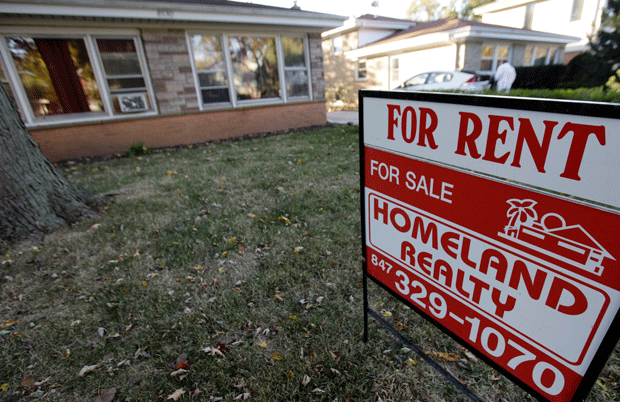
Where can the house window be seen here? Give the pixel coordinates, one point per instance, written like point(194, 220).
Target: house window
point(254, 67)
point(395, 69)
point(210, 69)
point(123, 74)
point(337, 45)
point(231, 69)
point(57, 75)
point(541, 55)
point(493, 56)
point(361, 70)
point(576, 11)
point(295, 69)
point(77, 77)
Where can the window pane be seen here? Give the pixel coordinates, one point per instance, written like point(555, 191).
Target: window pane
point(502, 52)
point(294, 55)
point(208, 53)
point(119, 56)
point(540, 56)
point(487, 51)
point(57, 75)
point(486, 65)
point(216, 79)
point(119, 84)
point(553, 55)
point(528, 55)
point(255, 67)
point(296, 83)
point(215, 95)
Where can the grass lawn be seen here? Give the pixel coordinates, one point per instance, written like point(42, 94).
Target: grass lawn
point(229, 271)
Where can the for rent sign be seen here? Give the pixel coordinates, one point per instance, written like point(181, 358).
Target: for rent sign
point(527, 277)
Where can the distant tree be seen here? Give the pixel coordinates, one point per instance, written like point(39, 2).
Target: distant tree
point(606, 43)
point(424, 10)
point(469, 5)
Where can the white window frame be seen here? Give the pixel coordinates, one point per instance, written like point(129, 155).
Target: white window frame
point(89, 38)
point(234, 102)
point(358, 70)
point(335, 48)
point(392, 69)
point(548, 59)
point(495, 60)
point(227, 70)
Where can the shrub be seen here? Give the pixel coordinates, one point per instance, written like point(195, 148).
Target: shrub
point(539, 76)
point(139, 149)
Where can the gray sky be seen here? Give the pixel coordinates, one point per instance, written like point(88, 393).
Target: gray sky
point(347, 8)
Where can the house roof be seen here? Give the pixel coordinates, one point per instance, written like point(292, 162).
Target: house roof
point(175, 11)
point(445, 32)
point(369, 21)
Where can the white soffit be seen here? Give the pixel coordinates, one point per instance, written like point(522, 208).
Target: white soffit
point(174, 12)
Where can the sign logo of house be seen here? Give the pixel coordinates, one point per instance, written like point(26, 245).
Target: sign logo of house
point(571, 244)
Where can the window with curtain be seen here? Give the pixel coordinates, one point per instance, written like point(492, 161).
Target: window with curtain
point(56, 74)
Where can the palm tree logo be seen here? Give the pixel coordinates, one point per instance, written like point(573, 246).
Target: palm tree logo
point(521, 212)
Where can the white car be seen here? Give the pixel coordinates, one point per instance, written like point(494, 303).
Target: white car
point(441, 80)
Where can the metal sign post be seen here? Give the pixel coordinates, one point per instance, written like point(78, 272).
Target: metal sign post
point(497, 220)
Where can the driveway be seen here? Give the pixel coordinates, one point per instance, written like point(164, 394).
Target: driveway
point(348, 117)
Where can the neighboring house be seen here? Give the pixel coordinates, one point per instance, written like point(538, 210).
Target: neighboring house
point(93, 77)
point(380, 53)
point(580, 18)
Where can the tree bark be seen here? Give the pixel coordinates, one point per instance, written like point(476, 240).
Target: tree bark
point(35, 197)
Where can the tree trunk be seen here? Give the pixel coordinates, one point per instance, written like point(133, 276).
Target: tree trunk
point(35, 197)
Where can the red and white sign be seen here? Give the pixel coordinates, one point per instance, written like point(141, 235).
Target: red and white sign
point(527, 278)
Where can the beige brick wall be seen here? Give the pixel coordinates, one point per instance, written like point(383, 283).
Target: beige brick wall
point(170, 69)
point(317, 69)
point(116, 137)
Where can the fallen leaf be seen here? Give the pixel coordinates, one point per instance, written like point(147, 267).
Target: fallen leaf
point(299, 249)
point(216, 399)
point(318, 391)
point(106, 395)
point(87, 369)
point(262, 344)
point(178, 373)
point(277, 356)
point(27, 383)
point(242, 397)
point(305, 381)
point(4, 387)
point(176, 394)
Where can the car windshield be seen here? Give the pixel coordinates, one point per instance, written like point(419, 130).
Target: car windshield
point(417, 80)
point(436, 78)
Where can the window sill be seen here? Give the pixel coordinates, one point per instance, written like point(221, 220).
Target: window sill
point(58, 122)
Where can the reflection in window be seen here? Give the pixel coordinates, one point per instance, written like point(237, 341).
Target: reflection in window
point(211, 69)
point(540, 55)
point(57, 75)
point(295, 70)
point(361, 70)
point(494, 56)
point(124, 75)
point(254, 67)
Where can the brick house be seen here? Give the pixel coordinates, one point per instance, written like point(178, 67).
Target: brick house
point(93, 77)
point(375, 52)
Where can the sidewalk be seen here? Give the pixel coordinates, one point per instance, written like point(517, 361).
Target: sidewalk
point(348, 117)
